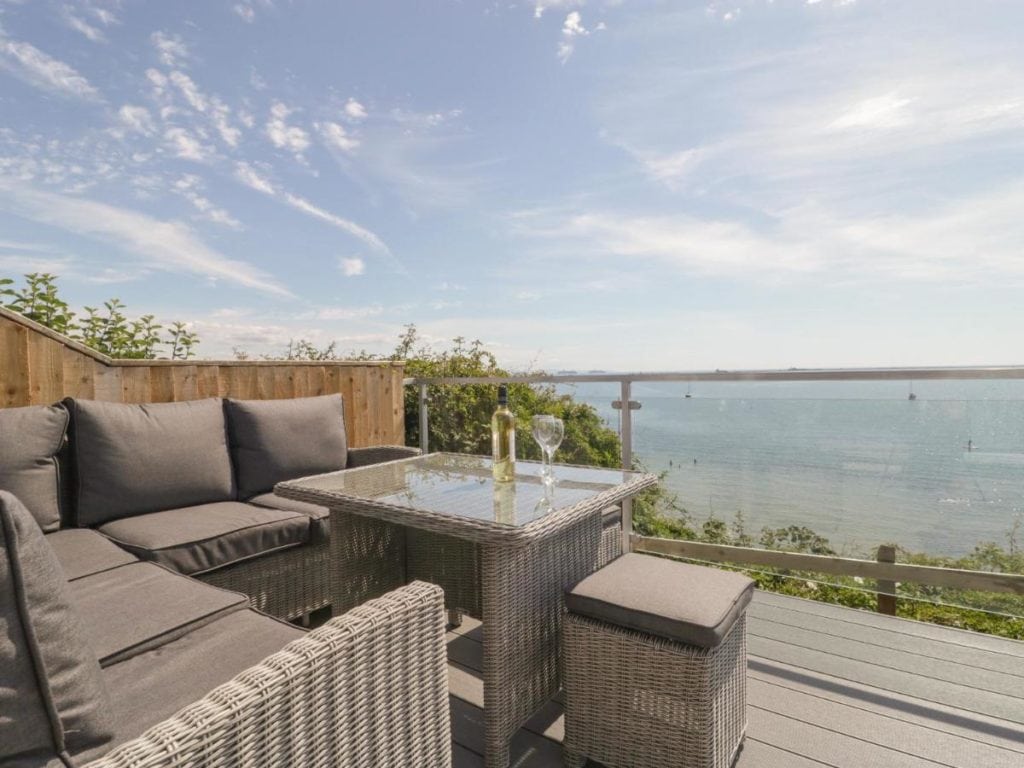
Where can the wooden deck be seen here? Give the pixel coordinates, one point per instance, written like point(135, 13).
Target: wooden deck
point(828, 686)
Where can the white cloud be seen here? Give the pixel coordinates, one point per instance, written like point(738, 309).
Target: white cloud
point(349, 313)
point(974, 240)
point(876, 113)
point(171, 49)
point(249, 176)
point(352, 267)
point(190, 187)
point(186, 146)
point(285, 136)
point(343, 224)
point(41, 70)
point(336, 136)
point(189, 90)
point(573, 25)
point(104, 16)
point(572, 28)
point(542, 5)
point(81, 26)
point(166, 245)
point(355, 110)
point(137, 118)
point(254, 180)
point(245, 12)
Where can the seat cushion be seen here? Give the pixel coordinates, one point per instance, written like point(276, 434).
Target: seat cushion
point(197, 539)
point(678, 601)
point(275, 440)
point(319, 517)
point(82, 552)
point(611, 516)
point(133, 459)
point(30, 439)
point(135, 607)
point(152, 686)
point(52, 696)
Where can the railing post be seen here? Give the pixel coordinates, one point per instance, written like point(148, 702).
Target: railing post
point(424, 420)
point(886, 589)
point(626, 403)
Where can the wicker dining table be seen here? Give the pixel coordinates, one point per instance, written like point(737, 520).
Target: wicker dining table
point(504, 553)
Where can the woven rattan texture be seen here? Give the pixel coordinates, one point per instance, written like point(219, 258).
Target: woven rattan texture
point(367, 559)
point(452, 563)
point(286, 584)
point(367, 689)
point(522, 617)
point(637, 701)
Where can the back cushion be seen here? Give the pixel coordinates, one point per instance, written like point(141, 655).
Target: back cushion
point(30, 439)
point(132, 459)
point(52, 697)
point(275, 440)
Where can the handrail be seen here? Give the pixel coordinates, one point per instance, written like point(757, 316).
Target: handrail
point(982, 581)
point(787, 374)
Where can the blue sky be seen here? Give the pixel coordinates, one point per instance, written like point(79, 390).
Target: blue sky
point(618, 185)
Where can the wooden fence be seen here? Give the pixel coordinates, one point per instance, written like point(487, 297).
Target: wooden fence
point(39, 366)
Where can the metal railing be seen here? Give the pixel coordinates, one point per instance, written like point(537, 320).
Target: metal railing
point(887, 573)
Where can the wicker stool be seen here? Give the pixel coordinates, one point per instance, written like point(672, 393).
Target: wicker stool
point(654, 655)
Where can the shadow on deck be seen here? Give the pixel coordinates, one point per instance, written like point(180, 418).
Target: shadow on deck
point(827, 686)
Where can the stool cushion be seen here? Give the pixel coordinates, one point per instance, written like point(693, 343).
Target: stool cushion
point(687, 603)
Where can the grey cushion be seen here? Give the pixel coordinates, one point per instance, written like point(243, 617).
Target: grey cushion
point(140, 606)
point(30, 439)
point(319, 517)
point(52, 696)
point(132, 459)
point(82, 552)
point(688, 603)
point(151, 687)
point(275, 440)
point(611, 516)
point(197, 539)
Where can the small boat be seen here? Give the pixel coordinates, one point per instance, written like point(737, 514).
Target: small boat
point(911, 396)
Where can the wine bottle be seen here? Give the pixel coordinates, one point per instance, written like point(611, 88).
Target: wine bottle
point(503, 439)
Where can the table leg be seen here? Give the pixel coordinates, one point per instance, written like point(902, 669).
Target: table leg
point(522, 616)
point(367, 559)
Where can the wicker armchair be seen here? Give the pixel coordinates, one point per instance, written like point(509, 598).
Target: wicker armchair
point(295, 582)
point(369, 688)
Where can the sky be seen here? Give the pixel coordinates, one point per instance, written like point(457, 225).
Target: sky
point(580, 184)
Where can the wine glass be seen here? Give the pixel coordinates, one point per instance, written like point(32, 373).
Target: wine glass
point(548, 432)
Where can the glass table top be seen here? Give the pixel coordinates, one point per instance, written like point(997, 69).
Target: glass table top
point(462, 485)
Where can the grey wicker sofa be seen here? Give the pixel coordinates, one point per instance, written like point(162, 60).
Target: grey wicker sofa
point(189, 486)
point(112, 656)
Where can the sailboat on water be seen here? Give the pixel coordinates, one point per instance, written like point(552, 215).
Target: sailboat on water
point(911, 396)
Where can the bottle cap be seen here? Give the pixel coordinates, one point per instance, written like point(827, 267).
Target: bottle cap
point(502, 394)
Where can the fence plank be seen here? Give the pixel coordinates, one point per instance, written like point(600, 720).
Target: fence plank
point(981, 581)
point(78, 375)
point(45, 370)
point(14, 364)
point(135, 385)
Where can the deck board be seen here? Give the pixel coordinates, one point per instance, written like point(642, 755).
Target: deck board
point(828, 686)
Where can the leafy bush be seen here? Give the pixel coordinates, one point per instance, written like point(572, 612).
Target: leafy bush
point(109, 331)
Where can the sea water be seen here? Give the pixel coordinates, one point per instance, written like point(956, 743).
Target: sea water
point(857, 462)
